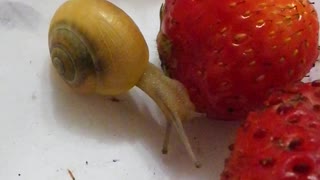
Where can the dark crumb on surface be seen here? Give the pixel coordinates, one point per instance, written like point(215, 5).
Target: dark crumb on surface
point(33, 97)
point(114, 99)
point(19, 174)
point(87, 162)
point(115, 160)
point(71, 175)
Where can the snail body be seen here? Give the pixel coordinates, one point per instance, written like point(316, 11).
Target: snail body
point(95, 52)
point(97, 48)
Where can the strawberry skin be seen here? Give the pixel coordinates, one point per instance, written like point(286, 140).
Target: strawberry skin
point(229, 54)
point(282, 141)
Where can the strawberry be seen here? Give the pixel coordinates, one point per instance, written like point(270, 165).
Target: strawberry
point(282, 141)
point(230, 54)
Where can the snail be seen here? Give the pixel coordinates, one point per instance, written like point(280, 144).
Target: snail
point(97, 48)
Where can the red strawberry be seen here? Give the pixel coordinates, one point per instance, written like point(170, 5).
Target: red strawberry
point(230, 53)
point(281, 142)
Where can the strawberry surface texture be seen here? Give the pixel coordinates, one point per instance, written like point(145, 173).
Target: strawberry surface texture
point(282, 141)
point(230, 54)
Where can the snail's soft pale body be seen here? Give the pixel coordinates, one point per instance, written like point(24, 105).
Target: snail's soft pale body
point(97, 48)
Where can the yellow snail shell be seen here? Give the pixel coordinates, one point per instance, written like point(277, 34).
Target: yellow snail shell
point(96, 47)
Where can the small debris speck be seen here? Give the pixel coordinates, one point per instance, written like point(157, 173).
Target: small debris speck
point(19, 174)
point(87, 162)
point(114, 99)
point(115, 160)
point(71, 175)
point(34, 97)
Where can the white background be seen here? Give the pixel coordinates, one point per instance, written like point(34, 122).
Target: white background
point(46, 129)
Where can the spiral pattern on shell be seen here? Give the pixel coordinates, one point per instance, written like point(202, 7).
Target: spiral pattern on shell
point(69, 64)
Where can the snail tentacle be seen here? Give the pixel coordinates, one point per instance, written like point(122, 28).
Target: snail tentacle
point(167, 137)
point(172, 98)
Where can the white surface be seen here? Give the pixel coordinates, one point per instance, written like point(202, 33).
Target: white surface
point(46, 129)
